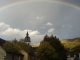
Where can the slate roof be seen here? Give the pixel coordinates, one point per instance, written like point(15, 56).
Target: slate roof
point(72, 55)
point(14, 53)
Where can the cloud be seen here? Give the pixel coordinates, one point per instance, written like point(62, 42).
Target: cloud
point(39, 18)
point(67, 25)
point(63, 25)
point(7, 30)
point(10, 31)
point(51, 30)
point(3, 26)
point(35, 35)
point(49, 24)
point(37, 38)
point(22, 33)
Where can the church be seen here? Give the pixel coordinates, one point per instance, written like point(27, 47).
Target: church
point(27, 39)
point(21, 55)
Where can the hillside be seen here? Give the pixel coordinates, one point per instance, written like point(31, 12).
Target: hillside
point(71, 43)
point(70, 40)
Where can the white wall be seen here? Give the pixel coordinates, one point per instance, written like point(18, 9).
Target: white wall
point(2, 53)
point(70, 58)
point(27, 43)
point(25, 55)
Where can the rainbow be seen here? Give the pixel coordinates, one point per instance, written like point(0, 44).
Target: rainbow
point(20, 2)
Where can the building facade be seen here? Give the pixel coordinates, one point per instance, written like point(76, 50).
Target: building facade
point(27, 39)
point(7, 55)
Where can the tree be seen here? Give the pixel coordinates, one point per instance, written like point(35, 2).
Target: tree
point(76, 49)
point(22, 40)
point(59, 48)
point(46, 52)
point(72, 47)
point(15, 46)
point(9, 46)
point(24, 46)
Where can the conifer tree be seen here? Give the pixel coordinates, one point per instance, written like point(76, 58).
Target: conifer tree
point(46, 52)
point(59, 48)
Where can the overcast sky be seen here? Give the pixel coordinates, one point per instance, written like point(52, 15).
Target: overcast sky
point(57, 17)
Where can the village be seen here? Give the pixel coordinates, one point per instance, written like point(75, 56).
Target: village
point(39, 29)
point(23, 55)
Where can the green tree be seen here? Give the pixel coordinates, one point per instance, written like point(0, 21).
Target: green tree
point(9, 46)
point(24, 46)
point(46, 52)
point(72, 47)
point(15, 46)
point(59, 48)
point(76, 49)
point(22, 40)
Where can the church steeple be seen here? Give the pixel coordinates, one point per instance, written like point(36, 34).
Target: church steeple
point(27, 35)
point(27, 38)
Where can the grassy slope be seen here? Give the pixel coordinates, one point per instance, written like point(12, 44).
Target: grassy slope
point(70, 43)
point(71, 40)
point(67, 42)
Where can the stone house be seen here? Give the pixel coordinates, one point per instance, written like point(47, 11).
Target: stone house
point(73, 57)
point(2, 52)
point(13, 56)
point(21, 55)
point(7, 55)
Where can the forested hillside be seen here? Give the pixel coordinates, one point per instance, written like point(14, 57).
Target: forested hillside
point(70, 40)
point(72, 45)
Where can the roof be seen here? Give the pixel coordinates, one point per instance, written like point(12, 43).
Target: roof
point(72, 55)
point(2, 41)
point(15, 53)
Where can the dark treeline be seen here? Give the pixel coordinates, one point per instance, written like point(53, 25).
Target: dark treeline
point(50, 48)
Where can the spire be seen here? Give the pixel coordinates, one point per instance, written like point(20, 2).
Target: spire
point(27, 35)
point(27, 38)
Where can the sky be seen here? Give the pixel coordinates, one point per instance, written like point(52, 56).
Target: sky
point(59, 18)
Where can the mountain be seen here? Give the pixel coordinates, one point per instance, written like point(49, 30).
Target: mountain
point(67, 41)
point(70, 43)
point(70, 40)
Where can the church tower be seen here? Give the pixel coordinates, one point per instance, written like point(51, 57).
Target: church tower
point(27, 39)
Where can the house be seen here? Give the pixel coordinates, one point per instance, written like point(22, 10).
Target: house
point(2, 54)
point(7, 55)
point(21, 55)
point(73, 57)
point(13, 56)
point(2, 51)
